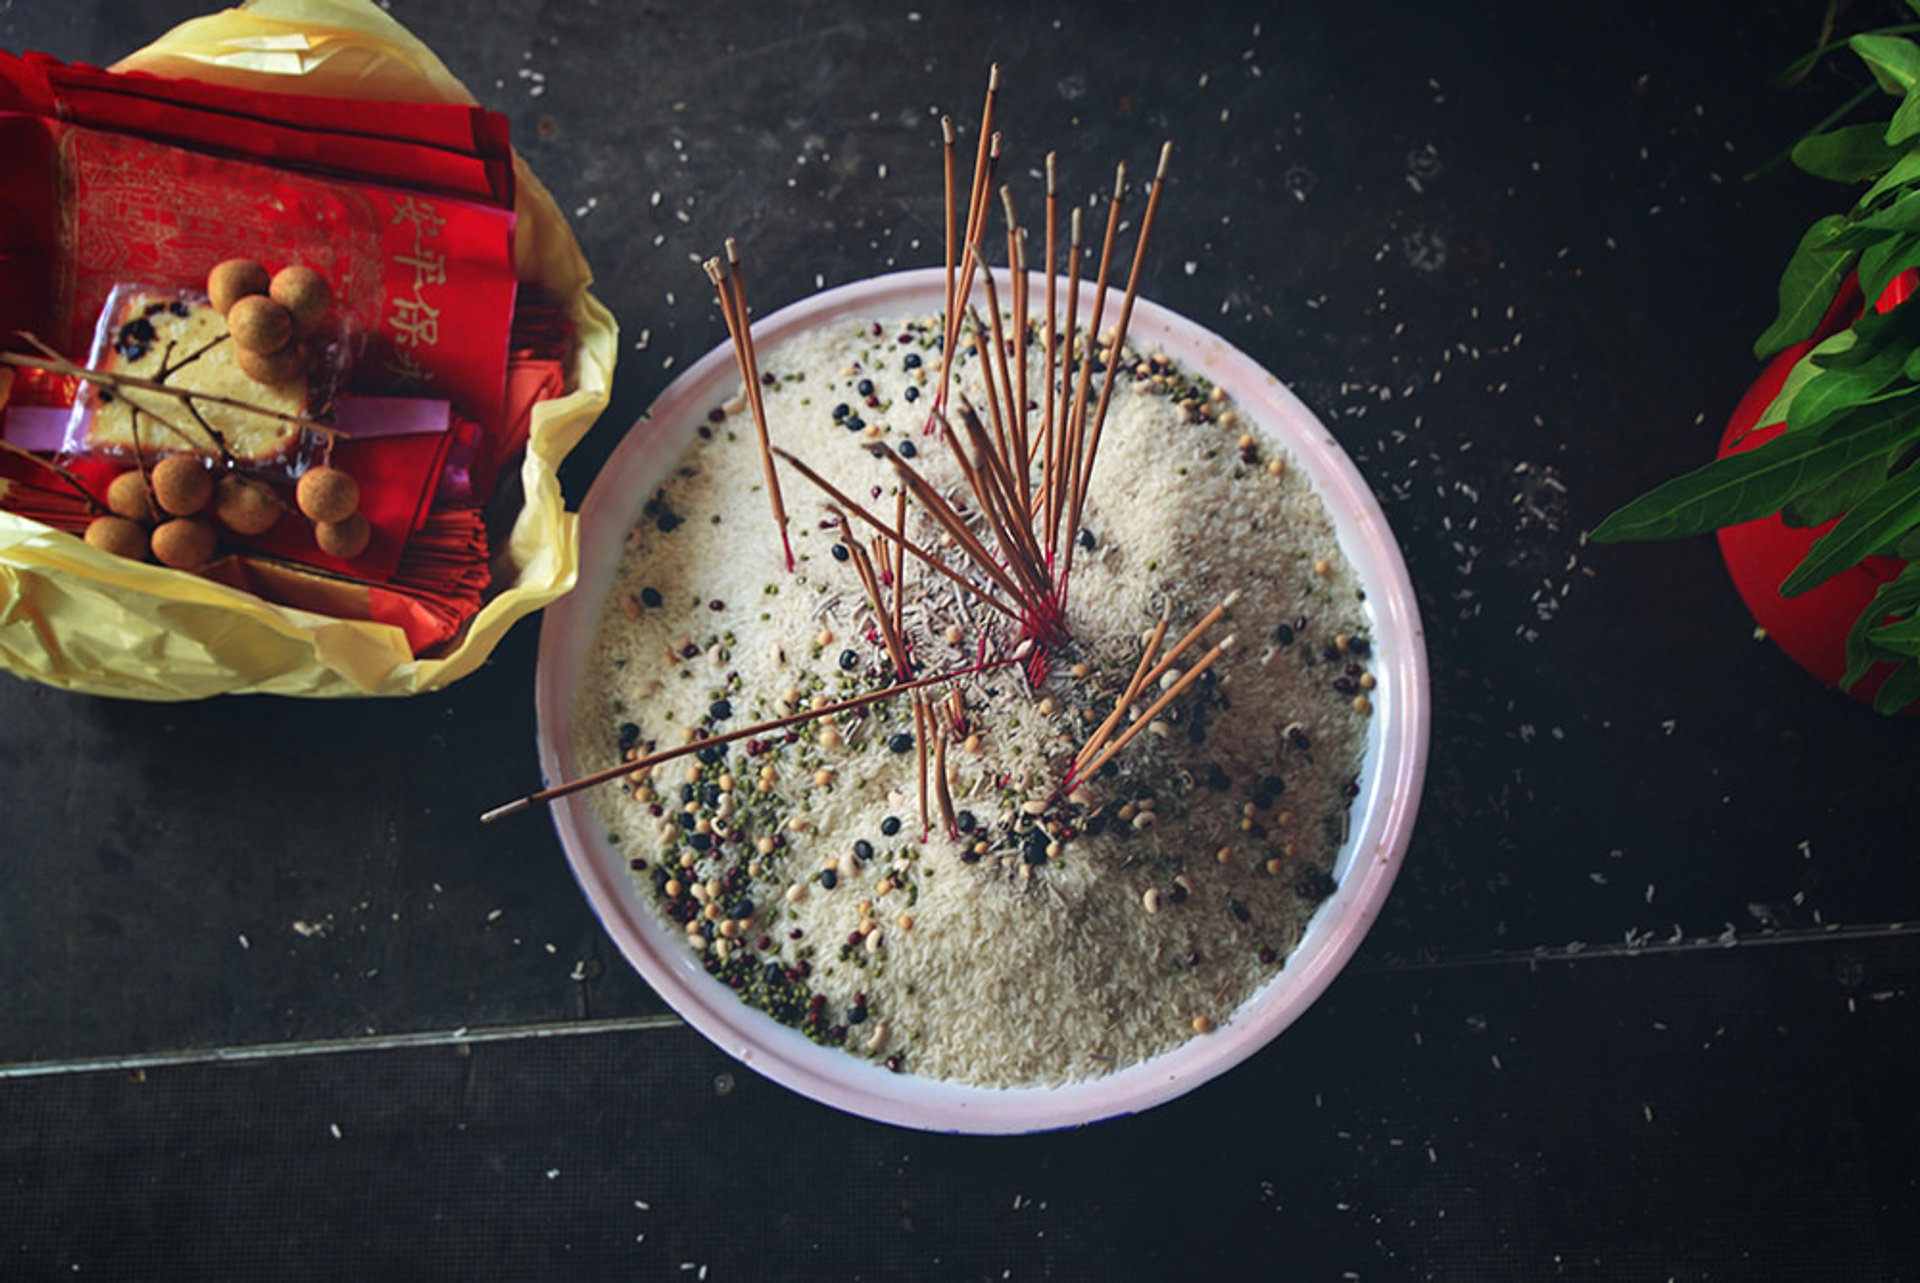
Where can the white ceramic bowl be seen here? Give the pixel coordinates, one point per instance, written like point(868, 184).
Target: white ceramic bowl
point(1382, 817)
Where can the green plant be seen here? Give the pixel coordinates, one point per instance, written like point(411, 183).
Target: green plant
point(1851, 404)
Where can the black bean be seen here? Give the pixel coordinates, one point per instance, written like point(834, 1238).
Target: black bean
point(890, 826)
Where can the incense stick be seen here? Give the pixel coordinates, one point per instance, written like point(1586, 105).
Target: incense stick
point(1120, 327)
point(779, 723)
point(1052, 338)
point(1059, 472)
point(733, 307)
point(1078, 424)
point(850, 505)
point(1127, 696)
point(1153, 710)
point(1167, 661)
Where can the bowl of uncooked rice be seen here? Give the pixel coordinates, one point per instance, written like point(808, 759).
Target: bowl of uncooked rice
point(976, 770)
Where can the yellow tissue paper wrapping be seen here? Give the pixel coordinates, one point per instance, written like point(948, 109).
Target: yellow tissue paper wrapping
point(79, 618)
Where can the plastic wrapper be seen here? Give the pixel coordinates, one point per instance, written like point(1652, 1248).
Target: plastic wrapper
point(176, 338)
point(80, 618)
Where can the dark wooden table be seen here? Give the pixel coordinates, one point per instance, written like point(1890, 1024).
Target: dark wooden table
point(1642, 1005)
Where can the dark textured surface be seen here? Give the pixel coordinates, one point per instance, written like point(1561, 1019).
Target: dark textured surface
point(1507, 252)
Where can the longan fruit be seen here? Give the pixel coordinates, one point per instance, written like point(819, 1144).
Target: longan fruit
point(128, 496)
point(327, 494)
point(304, 293)
point(246, 506)
point(119, 536)
point(289, 363)
point(233, 280)
point(182, 484)
point(185, 543)
point(344, 539)
point(258, 324)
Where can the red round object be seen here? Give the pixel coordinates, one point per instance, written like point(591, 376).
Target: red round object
point(1812, 627)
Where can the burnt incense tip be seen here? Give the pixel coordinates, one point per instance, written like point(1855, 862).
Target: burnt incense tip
point(501, 812)
point(1075, 221)
point(713, 270)
point(993, 147)
point(993, 77)
point(1053, 177)
point(946, 130)
point(1166, 158)
point(1119, 179)
point(1230, 598)
point(733, 251)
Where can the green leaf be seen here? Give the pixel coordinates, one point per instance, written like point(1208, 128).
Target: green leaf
point(1802, 373)
point(1807, 286)
point(1901, 637)
point(1832, 391)
point(1904, 171)
point(1907, 546)
point(1894, 62)
point(1875, 520)
point(1898, 596)
point(1848, 154)
point(1823, 503)
point(1906, 121)
point(1884, 261)
point(1900, 689)
point(1902, 215)
point(1744, 486)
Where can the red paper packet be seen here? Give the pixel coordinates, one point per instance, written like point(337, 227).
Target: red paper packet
point(456, 150)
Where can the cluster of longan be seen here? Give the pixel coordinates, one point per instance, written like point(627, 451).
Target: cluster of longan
point(272, 317)
point(166, 512)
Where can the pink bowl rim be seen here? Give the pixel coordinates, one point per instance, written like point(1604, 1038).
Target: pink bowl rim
point(1383, 814)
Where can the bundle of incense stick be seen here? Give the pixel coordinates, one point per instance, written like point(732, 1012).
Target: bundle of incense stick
point(1019, 565)
point(729, 283)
